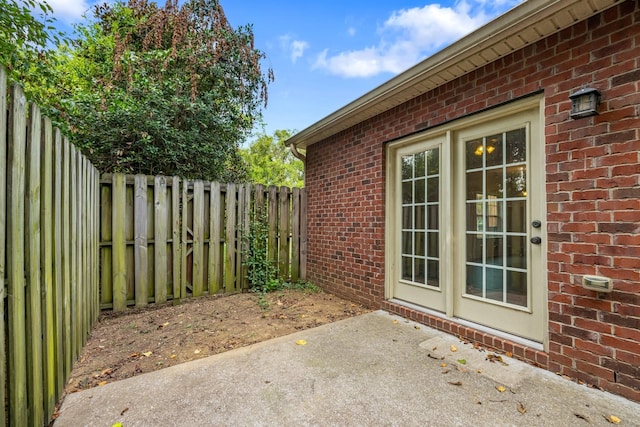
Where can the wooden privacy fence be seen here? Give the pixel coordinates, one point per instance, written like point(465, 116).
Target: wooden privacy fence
point(72, 243)
point(165, 238)
point(48, 259)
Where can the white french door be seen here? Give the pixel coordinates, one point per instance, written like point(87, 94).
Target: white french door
point(467, 221)
point(419, 202)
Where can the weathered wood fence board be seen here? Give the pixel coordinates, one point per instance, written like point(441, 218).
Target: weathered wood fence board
point(49, 250)
point(165, 238)
point(3, 240)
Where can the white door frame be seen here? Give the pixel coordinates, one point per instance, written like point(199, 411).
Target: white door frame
point(450, 271)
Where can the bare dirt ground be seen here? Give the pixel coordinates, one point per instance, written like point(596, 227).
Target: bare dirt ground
point(145, 340)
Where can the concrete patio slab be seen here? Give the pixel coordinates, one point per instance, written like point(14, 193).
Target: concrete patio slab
point(372, 370)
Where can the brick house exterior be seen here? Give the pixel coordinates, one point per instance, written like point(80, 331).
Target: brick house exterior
point(591, 180)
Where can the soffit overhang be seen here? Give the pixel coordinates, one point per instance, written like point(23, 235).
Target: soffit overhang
point(523, 25)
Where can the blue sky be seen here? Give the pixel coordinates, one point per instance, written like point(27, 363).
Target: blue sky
point(328, 53)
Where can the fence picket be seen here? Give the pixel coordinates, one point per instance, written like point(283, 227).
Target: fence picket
point(118, 247)
point(197, 281)
point(160, 233)
point(230, 233)
point(215, 270)
point(3, 241)
point(32, 264)
point(175, 238)
point(66, 254)
point(283, 236)
point(295, 235)
point(303, 234)
point(140, 240)
point(183, 241)
point(57, 262)
point(272, 241)
point(17, 345)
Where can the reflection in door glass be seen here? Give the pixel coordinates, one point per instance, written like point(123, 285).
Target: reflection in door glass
point(420, 227)
point(496, 218)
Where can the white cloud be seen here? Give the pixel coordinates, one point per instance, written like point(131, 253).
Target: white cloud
point(294, 48)
point(297, 49)
point(410, 35)
point(69, 10)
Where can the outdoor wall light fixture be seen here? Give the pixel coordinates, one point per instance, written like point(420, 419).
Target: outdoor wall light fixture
point(584, 103)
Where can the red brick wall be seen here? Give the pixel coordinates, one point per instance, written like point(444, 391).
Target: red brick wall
point(593, 194)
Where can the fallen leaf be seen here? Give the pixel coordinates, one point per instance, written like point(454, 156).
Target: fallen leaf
point(101, 383)
point(165, 324)
point(104, 373)
point(501, 389)
point(302, 316)
point(301, 342)
point(462, 361)
point(455, 383)
point(173, 356)
point(197, 351)
point(147, 353)
point(279, 302)
point(116, 425)
point(508, 354)
point(417, 327)
point(123, 411)
point(445, 371)
point(454, 348)
point(521, 408)
point(582, 417)
point(133, 355)
point(613, 419)
point(444, 365)
point(395, 321)
point(434, 357)
point(496, 358)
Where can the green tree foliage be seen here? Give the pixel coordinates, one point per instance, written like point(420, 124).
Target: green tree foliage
point(270, 162)
point(26, 43)
point(171, 90)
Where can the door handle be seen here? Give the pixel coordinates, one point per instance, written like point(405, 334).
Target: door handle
point(536, 240)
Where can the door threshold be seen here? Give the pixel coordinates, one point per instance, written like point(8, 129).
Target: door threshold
point(481, 328)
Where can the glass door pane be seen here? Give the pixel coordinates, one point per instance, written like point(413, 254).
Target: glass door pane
point(496, 198)
point(420, 227)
